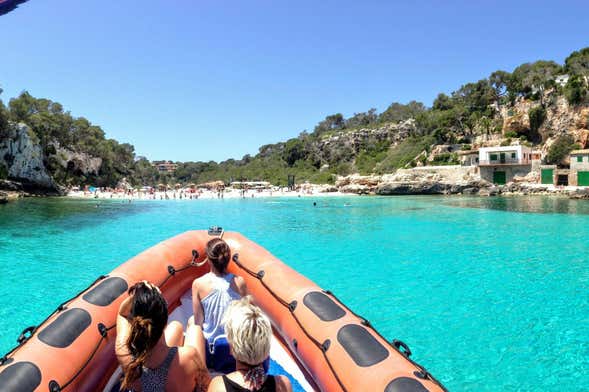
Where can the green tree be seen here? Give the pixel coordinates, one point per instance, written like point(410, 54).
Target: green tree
point(537, 76)
point(499, 80)
point(575, 90)
point(577, 63)
point(294, 151)
point(537, 115)
point(3, 121)
point(560, 149)
point(397, 112)
point(362, 119)
point(331, 122)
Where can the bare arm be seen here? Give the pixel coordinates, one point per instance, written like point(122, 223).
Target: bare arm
point(199, 317)
point(123, 331)
point(241, 286)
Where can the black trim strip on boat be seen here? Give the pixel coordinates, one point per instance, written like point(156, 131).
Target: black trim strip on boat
point(20, 377)
point(323, 348)
point(423, 373)
point(103, 331)
point(66, 328)
point(22, 339)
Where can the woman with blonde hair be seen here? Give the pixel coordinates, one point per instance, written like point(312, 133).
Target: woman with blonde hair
point(249, 333)
point(154, 356)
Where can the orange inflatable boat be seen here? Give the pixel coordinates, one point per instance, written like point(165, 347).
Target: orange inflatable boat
point(318, 341)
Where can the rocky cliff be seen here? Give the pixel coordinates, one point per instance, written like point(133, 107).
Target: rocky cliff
point(23, 161)
point(349, 143)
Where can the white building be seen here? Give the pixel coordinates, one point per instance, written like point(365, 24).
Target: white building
point(500, 164)
point(562, 80)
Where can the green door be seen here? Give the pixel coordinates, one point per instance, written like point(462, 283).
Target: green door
point(583, 178)
point(547, 176)
point(502, 158)
point(499, 177)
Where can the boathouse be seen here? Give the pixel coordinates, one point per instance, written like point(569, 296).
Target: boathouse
point(500, 164)
point(579, 168)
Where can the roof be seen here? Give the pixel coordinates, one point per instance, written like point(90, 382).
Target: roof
point(504, 148)
point(578, 152)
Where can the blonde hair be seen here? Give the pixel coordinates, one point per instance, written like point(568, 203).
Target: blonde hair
point(248, 331)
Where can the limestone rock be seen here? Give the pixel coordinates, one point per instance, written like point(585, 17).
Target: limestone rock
point(124, 184)
point(22, 155)
point(78, 162)
point(583, 121)
point(518, 123)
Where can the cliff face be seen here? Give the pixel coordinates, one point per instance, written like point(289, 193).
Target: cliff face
point(23, 160)
point(22, 156)
point(344, 146)
point(561, 118)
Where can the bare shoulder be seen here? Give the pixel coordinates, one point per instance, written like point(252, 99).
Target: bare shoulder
point(201, 283)
point(283, 384)
point(217, 385)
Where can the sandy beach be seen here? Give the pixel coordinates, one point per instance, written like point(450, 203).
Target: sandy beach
point(189, 194)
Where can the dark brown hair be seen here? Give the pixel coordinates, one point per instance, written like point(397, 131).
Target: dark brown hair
point(219, 254)
point(149, 316)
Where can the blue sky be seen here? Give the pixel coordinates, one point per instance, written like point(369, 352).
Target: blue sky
point(211, 80)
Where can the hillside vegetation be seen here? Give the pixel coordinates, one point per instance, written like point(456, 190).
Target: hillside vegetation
point(367, 142)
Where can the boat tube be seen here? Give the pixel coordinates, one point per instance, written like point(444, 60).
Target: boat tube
point(331, 348)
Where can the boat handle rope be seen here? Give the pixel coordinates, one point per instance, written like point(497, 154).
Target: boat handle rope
point(103, 331)
point(323, 347)
point(172, 271)
point(406, 350)
point(28, 332)
point(421, 373)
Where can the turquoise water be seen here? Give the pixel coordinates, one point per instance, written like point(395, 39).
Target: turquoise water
point(489, 293)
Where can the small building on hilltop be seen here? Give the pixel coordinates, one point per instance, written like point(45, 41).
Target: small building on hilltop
point(468, 157)
point(579, 168)
point(500, 164)
point(165, 166)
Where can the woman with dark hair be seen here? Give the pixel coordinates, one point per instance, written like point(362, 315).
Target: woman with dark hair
point(153, 356)
point(212, 293)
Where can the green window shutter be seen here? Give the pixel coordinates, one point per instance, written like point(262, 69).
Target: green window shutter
point(493, 157)
point(579, 158)
point(513, 155)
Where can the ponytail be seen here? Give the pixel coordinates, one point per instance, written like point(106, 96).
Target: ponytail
point(139, 345)
point(149, 316)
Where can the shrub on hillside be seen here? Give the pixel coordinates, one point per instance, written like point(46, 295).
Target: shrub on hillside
point(575, 90)
point(560, 149)
point(537, 116)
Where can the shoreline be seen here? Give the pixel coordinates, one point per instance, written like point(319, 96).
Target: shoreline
point(203, 195)
point(355, 188)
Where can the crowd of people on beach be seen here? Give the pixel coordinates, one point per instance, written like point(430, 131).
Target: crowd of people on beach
point(224, 347)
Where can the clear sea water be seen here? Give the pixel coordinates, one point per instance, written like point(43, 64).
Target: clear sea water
point(491, 294)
